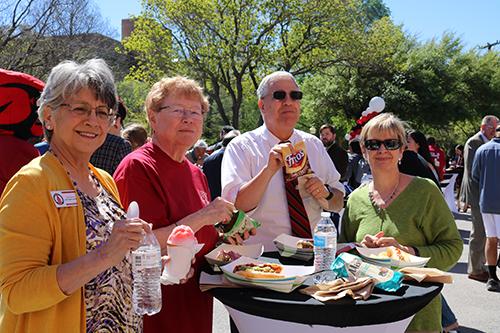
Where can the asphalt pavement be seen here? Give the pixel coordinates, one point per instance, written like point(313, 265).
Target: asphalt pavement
point(476, 309)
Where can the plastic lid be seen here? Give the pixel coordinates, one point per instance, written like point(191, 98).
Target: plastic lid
point(325, 214)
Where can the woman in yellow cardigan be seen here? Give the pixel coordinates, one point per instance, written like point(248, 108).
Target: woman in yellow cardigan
point(64, 238)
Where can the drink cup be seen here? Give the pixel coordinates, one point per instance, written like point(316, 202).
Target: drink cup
point(179, 264)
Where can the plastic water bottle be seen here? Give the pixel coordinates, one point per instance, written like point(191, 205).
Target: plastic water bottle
point(146, 271)
point(325, 247)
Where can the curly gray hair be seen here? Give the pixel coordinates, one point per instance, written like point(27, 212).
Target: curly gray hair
point(69, 77)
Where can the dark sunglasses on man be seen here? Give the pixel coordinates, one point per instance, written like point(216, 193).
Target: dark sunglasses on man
point(281, 95)
point(390, 144)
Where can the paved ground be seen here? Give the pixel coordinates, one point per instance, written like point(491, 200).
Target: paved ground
point(477, 309)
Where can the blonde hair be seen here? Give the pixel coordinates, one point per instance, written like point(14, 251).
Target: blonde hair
point(175, 85)
point(384, 122)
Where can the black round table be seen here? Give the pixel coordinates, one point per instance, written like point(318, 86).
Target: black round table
point(382, 307)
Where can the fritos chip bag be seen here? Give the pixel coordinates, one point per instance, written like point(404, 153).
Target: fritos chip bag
point(296, 163)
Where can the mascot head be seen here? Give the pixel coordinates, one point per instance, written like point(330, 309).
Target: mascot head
point(19, 93)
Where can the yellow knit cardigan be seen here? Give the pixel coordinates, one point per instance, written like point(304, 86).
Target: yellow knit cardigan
point(35, 238)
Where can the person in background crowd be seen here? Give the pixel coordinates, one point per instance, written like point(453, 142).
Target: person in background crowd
point(438, 156)
point(486, 173)
point(412, 163)
point(418, 144)
point(457, 166)
point(373, 218)
point(42, 146)
point(198, 153)
point(356, 166)
point(252, 168)
point(65, 264)
point(218, 145)
point(457, 160)
point(18, 121)
point(328, 136)
point(171, 191)
point(469, 194)
point(114, 148)
point(135, 134)
point(212, 165)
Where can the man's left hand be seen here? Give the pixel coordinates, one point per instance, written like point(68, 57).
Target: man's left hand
point(315, 187)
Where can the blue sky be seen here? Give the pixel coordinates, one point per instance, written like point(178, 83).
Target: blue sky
point(476, 22)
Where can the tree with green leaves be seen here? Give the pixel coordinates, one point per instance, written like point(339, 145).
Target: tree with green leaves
point(229, 45)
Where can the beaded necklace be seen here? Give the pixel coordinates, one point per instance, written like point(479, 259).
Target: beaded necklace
point(73, 181)
point(378, 208)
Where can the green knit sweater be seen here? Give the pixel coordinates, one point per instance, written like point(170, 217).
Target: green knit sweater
point(419, 217)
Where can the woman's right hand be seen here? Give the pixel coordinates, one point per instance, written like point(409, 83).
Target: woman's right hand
point(217, 210)
point(126, 236)
point(372, 240)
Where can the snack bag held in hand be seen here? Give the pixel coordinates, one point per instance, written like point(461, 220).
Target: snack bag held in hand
point(351, 266)
point(182, 245)
point(296, 163)
point(239, 223)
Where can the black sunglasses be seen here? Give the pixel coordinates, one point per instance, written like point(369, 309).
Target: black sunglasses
point(390, 144)
point(281, 95)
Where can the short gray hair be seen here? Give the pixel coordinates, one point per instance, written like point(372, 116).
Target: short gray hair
point(200, 144)
point(69, 77)
point(266, 82)
point(489, 119)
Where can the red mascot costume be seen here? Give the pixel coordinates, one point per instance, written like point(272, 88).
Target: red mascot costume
point(18, 121)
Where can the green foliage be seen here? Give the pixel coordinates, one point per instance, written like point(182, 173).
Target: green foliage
point(133, 93)
point(436, 87)
point(229, 45)
point(343, 52)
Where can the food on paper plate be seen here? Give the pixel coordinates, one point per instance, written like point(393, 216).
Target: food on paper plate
point(392, 253)
point(227, 256)
point(305, 244)
point(259, 271)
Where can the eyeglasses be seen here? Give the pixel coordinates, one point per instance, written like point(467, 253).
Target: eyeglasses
point(389, 144)
point(281, 95)
point(103, 113)
point(183, 113)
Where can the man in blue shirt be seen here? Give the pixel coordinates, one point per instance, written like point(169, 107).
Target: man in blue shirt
point(486, 172)
point(212, 165)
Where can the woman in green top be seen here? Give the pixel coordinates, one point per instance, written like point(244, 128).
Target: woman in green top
point(399, 210)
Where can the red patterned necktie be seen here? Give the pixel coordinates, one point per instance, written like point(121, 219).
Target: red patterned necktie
point(298, 215)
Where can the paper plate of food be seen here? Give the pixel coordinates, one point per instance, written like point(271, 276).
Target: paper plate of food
point(265, 274)
point(303, 248)
point(225, 253)
point(294, 247)
point(391, 256)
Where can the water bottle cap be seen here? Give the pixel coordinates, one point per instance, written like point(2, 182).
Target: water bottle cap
point(325, 214)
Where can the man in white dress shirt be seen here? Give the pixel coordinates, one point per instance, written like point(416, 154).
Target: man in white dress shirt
point(252, 175)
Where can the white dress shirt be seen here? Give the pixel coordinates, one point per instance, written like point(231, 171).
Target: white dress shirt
point(247, 154)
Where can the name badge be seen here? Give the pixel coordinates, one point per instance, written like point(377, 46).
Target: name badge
point(66, 198)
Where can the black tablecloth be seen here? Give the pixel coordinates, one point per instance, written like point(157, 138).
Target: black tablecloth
point(381, 307)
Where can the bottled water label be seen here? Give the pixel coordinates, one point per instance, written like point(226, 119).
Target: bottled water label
point(320, 241)
point(143, 259)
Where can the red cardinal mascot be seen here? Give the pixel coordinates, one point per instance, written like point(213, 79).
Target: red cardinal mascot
point(18, 121)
